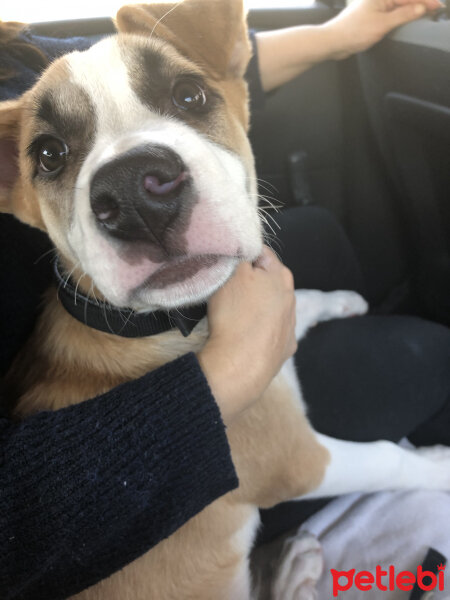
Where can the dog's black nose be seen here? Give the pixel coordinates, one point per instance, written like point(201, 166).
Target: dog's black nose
point(139, 194)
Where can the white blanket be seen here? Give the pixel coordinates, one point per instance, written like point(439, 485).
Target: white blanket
point(389, 528)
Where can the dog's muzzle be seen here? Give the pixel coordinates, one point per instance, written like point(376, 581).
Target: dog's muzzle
point(141, 194)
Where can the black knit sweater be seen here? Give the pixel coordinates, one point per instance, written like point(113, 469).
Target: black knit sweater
point(87, 489)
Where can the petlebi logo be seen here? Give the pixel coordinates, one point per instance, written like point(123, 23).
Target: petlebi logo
point(389, 579)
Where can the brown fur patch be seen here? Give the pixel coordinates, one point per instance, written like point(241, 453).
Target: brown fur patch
point(10, 118)
point(16, 195)
point(196, 29)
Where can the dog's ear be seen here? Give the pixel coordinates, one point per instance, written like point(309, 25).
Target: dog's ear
point(14, 197)
point(210, 32)
point(10, 116)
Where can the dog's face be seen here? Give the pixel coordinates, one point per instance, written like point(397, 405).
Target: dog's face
point(133, 155)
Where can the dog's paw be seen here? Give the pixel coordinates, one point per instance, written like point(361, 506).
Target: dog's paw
point(299, 569)
point(435, 453)
point(343, 304)
point(436, 468)
point(314, 306)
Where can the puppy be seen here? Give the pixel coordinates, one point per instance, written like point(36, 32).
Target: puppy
point(133, 157)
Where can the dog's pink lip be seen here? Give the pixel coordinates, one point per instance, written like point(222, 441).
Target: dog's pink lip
point(180, 269)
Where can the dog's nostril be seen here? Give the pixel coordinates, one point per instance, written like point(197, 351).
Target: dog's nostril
point(141, 195)
point(105, 208)
point(155, 186)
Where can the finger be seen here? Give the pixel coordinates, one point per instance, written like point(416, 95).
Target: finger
point(429, 4)
point(405, 14)
point(293, 346)
point(288, 278)
point(266, 260)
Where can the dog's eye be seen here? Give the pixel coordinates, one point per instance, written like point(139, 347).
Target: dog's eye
point(52, 155)
point(188, 94)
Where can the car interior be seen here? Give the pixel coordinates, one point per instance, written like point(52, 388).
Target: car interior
point(371, 144)
point(367, 138)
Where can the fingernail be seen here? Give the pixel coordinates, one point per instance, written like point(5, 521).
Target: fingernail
point(419, 9)
point(264, 259)
point(259, 261)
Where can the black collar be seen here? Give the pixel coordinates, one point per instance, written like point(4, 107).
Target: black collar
point(122, 321)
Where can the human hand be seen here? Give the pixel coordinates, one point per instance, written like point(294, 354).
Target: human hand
point(252, 333)
point(365, 22)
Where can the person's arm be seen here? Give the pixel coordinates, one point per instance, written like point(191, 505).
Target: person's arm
point(285, 53)
point(86, 489)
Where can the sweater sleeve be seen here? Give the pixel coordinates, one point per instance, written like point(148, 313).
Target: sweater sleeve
point(89, 488)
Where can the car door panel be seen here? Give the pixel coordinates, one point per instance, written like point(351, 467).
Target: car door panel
point(406, 82)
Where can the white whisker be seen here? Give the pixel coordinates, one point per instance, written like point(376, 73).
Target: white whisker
point(163, 17)
point(78, 283)
point(52, 250)
point(66, 281)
